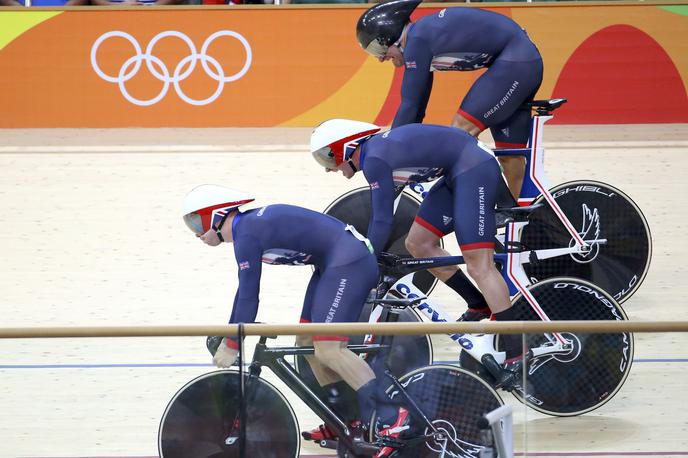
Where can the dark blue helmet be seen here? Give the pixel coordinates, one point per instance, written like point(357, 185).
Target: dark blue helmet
point(381, 25)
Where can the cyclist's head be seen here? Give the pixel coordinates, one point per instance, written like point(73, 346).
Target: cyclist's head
point(335, 140)
point(207, 205)
point(381, 26)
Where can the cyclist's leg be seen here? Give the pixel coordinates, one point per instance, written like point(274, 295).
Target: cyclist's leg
point(475, 192)
point(332, 391)
point(517, 126)
point(492, 101)
point(434, 220)
point(323, 374)
point(338, 297)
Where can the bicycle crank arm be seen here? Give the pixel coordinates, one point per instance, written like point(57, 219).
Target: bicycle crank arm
point(552, 351)
point(361, 447)
point(539, 255)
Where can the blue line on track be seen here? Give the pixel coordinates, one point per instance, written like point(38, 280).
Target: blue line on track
point(542, 454)
point(99, 366)
point(154, 365)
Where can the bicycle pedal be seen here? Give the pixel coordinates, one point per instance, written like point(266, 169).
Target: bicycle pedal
point(329, 443)
point(389, 442)
point(504, 378)
point(491, 365)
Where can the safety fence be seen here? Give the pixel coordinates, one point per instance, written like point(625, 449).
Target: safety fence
point(594, 378)
point(259, 329)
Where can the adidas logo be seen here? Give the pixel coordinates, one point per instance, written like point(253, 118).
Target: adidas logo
point(506, 131)
point(446, 220)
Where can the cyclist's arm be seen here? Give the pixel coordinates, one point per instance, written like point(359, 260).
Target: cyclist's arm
point(416, 85)
point(379, 176)
point(248, 257)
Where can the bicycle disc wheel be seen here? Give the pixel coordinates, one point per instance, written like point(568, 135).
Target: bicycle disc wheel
point(201, 420)
point(408, 352)
point(597, 211)
point(354, 208)
point(453, 400)
point(596, 366)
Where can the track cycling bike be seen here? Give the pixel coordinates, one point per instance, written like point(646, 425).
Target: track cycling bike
point(575, 214)
point(566, 374)
point(204, 418)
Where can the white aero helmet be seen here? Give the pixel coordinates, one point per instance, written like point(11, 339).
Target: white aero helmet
point(333, 141)
point(206, 205)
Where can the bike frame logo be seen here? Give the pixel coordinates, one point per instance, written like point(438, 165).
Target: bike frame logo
point(160, 71)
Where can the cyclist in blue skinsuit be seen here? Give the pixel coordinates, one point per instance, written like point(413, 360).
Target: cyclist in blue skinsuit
point(464, 198)
point(459, 39)
point(345, 272)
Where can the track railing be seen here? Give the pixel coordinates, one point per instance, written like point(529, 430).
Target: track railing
point(257, 329)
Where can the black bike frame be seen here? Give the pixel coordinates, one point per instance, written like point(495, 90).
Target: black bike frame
point(274, 358)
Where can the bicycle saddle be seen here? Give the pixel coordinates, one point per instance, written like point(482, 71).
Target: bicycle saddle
point(507, 214)
point(543, 107)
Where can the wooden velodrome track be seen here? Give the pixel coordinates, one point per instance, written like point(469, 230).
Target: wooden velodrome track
point(92, 235)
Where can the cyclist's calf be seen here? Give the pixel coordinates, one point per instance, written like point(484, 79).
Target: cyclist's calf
point(336, 356)
point(323, 374)
point(480, 265)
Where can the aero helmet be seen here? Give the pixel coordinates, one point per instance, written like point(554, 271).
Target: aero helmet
point(206, 205)
point(335, 140)
point(381, 25)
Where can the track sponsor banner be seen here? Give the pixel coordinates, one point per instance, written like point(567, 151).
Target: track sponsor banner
point(197, 67)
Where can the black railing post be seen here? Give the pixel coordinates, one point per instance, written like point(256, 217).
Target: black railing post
point(242, 395)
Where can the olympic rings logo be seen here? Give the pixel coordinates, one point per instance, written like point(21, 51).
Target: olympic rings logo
point(159, 70)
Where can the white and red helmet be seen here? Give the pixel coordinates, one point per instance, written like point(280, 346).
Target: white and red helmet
point(333, 141)
point(205, 205)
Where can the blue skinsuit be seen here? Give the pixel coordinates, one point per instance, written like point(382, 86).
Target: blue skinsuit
point(465, 39)
point(345, 268)
point(422, 152)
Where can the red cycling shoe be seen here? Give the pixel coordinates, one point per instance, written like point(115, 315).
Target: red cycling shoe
point(319, 433)
point(323, 432)
point(393, 431)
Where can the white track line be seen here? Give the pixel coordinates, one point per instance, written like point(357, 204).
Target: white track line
point(291, 148)
point(154, 149)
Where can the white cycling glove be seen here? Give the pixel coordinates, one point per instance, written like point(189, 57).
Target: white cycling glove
point(225, 356)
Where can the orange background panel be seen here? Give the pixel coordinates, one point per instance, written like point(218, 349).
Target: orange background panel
point(47, 78)
point(611, 62)
point(615, 63)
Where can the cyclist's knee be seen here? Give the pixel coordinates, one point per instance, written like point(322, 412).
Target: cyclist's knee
point(304, 341)
point(327, 351)
point(478, 266)
point(413, 246)
point(421, 244)
point(477, 272)
point(462, 123)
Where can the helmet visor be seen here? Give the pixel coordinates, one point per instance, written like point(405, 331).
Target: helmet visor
point(325, 157)
point(194, 222)
point(376, 49)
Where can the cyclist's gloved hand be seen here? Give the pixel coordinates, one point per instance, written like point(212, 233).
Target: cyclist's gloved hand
point(225, 356)
point(387, 259)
